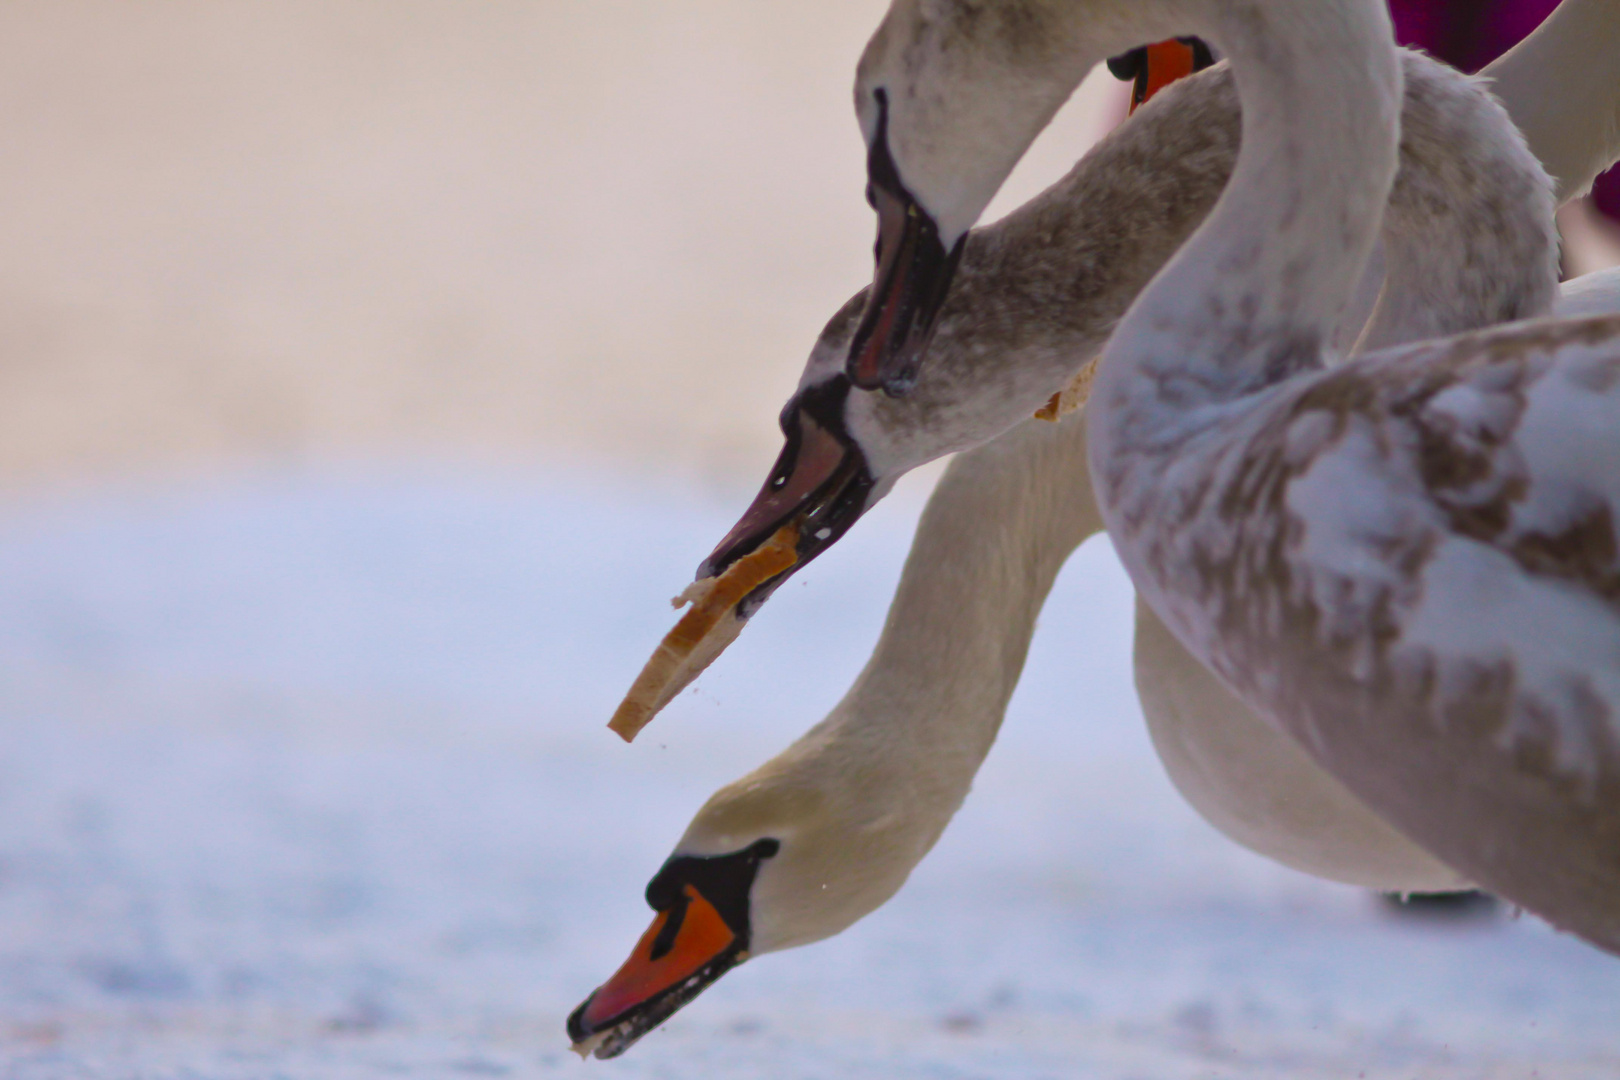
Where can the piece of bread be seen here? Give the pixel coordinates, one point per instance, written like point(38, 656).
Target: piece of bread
point(1071, 397)
point(703, 632)
point(587, 1046)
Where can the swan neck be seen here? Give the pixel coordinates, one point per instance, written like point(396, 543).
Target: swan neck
point(1561, 85)
point(1258, 290)
point(997, 530)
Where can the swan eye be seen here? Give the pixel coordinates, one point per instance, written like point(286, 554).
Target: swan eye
point(881, 173)
point(878, 108)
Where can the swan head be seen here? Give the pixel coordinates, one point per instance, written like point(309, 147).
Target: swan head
point(1035, 296)
point(822, 481)
point(949, 94)
point(701, 930)
point(788, 855)
point(1002, 348)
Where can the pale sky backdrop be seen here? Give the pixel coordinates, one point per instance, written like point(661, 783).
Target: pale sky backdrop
point(238, 230)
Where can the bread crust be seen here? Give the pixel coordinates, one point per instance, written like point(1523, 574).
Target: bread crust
point(703, 632)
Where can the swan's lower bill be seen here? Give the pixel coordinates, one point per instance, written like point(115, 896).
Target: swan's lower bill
point(914, 272)
point(701, 932)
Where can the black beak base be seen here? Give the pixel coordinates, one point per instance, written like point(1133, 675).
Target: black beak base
point(820, 480)
point(913, 275)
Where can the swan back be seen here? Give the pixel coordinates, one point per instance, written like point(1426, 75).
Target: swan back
point(1465, 175)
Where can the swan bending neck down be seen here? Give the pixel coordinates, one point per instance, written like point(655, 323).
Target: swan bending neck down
point(850, 809)
point(1407, 562)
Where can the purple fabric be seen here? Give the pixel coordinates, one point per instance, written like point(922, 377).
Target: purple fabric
point(1606, 194)
point(1468, 34)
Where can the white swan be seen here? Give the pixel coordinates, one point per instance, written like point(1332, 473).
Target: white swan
point(1408, 562)
point(1562, 87)
point(856, 803)
point(1559, 84)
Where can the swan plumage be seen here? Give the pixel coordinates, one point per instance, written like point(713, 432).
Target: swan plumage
point(1340, 546)
point(1021, 304)
point(1406, 561)
point(861, 798)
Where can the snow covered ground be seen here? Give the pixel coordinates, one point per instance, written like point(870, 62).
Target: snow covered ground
point(304, 775)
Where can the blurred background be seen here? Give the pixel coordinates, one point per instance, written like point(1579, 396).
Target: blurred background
point(370, 375)
point(243, 232)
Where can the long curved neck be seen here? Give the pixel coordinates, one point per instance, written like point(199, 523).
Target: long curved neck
point(863, 796)
point(1467, 241)
point(996, 531)
point(1038, 292)
point(1256, 292)
point(1562, 86)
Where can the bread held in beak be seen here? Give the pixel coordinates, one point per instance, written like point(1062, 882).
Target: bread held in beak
point(703, 632)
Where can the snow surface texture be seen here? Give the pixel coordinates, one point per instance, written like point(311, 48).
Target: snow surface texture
point(306, 776)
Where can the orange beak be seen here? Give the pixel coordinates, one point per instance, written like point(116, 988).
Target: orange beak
point(1151, 68)
point(684, 950)
point(1166, 62)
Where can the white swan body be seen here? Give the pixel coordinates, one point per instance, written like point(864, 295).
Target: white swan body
point(1471, 701)
point(1257, 786)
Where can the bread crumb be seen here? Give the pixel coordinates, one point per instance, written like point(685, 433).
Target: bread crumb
point(1071, 397)
point(587, 1045)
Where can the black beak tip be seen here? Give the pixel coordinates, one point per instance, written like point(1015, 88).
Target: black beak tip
point(577, 1031)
